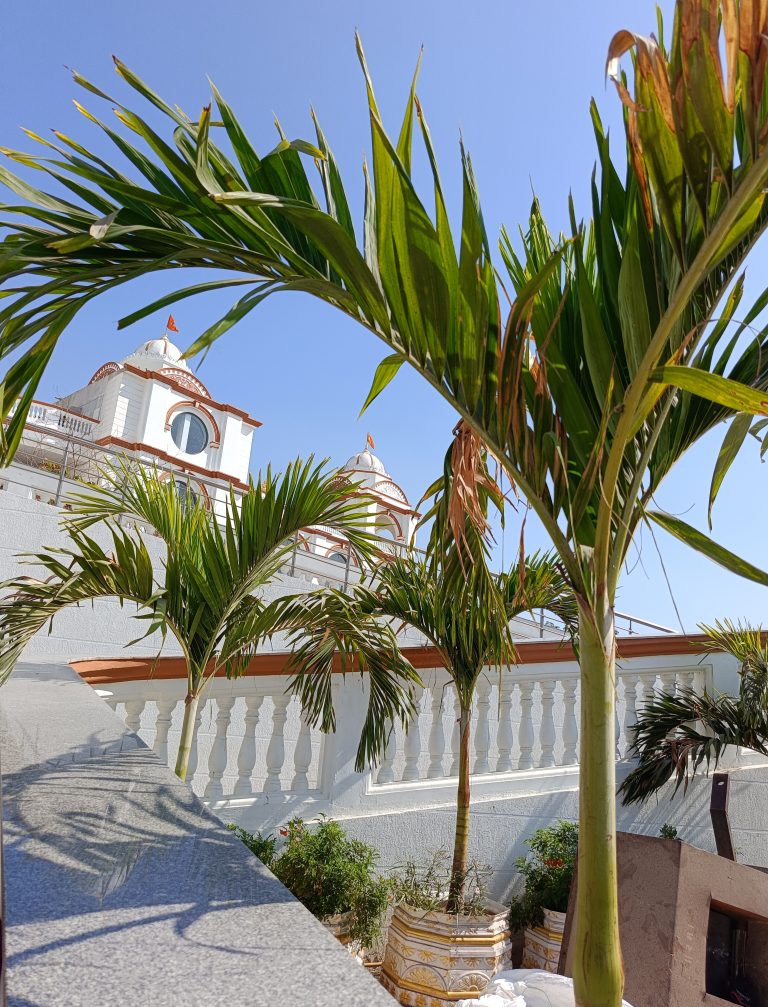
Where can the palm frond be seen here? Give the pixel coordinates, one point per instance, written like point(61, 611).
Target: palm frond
point(677, 733)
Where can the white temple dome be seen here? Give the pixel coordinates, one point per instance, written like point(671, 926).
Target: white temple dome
point(157, 354)
point(365, 461)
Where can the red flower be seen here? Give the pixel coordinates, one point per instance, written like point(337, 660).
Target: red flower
point(555, 862)
point(283, 832)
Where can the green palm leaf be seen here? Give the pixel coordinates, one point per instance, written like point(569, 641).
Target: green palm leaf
point(207, 596)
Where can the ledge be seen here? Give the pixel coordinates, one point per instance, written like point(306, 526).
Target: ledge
point(121, 889)
point(137, 669)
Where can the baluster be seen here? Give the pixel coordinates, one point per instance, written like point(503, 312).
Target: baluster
point(699, 680)
point(630, 714)
point(646, 686)
point(668, 682)
point(570, 723)
point(413, 742)
point(386, 772)
point(455, 740)
point(526, 725)
point(165, 708)
point(688, 678)
point(217, 759)
point(109, 698)
point(193, 752)
point(246, 757)
point(276, 747)
point(436, 736)
point(547, 733)
point(133, 711)
point(302, 757)
point(482, 730)
point(505, 736)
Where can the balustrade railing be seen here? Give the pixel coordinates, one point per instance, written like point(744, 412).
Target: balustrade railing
point(43, 414)
point(253, 747)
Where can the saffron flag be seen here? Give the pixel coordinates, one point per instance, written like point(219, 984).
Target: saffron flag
point(369, 442)
point(171, 325)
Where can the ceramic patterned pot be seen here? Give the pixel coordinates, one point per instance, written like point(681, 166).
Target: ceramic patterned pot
point(340, 925)
point(542, 944)
point(433, 959)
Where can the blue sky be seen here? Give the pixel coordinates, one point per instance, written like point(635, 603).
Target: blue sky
point(514, 78)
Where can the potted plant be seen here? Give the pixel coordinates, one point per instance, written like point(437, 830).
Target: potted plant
point(547, 872)
point(467, 619)
point(434, 955)
point(450, 952)
point(332, 875)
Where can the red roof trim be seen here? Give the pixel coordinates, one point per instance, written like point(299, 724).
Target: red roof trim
point(172, 383)
point(529, 652)
point(176, 462)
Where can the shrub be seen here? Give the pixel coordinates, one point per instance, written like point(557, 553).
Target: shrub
point(668, 831)
point(547, 872)
point(328, 872)
point(262, 846)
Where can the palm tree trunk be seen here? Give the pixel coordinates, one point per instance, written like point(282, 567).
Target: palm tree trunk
point(461, 838)
point(598, 972)
point(187, 735)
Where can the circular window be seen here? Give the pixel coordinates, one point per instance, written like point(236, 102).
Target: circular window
point(338, 557)
point(189, 433)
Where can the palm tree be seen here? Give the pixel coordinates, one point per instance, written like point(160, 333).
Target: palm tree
point(461, 607)
point(208, 597)
point(677, 733)
point(616, 355)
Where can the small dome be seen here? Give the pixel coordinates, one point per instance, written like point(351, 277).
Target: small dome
point(157, 354)
point(365, 461)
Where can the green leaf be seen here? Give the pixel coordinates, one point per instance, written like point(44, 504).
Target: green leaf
point(714, 388)
point(385, 372)
point(734, 438)
point(702, 543)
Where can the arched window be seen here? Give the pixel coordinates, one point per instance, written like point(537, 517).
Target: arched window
point(189, 433)
point(338, 557)
point(186, 494)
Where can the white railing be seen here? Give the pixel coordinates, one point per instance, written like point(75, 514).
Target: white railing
point(42, 414)
point(255, 755)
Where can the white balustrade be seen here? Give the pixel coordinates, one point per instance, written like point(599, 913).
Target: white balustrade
point(412, 746)
point(165, 708)
point(482, 727)
point(254, 748)
point(194, 752)
point(302, 757)
point(505, 736)
point(386, 772)
point(133, 711)
point(276, 748)
point(526, 725)
point(436, 736)
point(631, 682)
point(668, 681)
point(217, 760)
point(547, 735)
point(246, 757)
point(570, 722)
point(455, 733)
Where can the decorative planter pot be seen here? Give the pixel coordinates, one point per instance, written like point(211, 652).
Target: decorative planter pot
point(542, 944)
point(340, 925)
point(433, 959)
